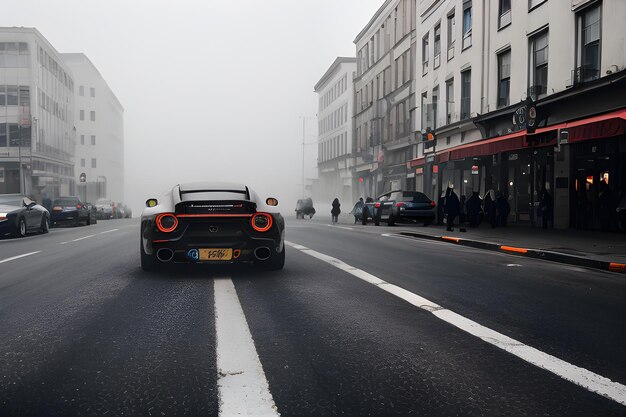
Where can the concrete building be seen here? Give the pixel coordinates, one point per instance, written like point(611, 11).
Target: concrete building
point(336, 105)
point(533, 102)
point(37, 136)
point(385, 99)
point(99, 170)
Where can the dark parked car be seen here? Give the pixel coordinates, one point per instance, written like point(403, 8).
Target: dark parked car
point(69, 210)
point(19, 215)
point(402, 206)
point(304, 207)
point(214, 223)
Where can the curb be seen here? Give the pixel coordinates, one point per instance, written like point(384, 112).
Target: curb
point(545, 255)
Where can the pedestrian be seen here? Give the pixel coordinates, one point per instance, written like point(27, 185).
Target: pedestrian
point(502, 209)
point(474, 209)
point(546, 209)
point(357, 211)
point(440, 204)
point(462, 211)
point(490, 208)
point(451, 207)
point(336, 210)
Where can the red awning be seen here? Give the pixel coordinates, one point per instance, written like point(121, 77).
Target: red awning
point(598, 127)
point(418, 162)
point(511, 142)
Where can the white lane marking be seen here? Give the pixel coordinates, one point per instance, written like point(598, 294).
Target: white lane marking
point(430, 242)
point(513, 265)
point(88, 236)
point(18, 257)
point(243, 387)
point(577, 375)
point(340, 227)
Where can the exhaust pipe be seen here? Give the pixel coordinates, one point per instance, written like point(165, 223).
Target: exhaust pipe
point(165, 254)
point(263, 253)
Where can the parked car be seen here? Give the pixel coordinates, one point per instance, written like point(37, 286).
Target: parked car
point(213, 223)
point(403, 206)
point(105, 209)
point(20, 215)
point(304, 207)
point(69, 210)
point(128, 213)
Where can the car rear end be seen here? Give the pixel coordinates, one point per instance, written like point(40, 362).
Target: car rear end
point(225, 230)
point(414, 206)
point(104, 209)
point(65, 211)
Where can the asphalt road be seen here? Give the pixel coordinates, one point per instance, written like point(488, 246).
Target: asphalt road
point(84, 331)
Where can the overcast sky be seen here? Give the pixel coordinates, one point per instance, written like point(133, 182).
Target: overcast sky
point(212, 90)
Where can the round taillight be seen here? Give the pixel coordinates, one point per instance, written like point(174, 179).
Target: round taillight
point(166, 222)
point(261, 222)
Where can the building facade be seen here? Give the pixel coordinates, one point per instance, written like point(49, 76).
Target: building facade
point(385, 99)
point(520, 97)
point(335, 108)
point(99, 169)
point(37, 135)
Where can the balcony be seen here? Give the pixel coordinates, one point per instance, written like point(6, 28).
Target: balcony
point(451, 52)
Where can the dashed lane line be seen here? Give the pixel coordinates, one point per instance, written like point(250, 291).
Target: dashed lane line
point(242, 385)
point(18, 257)
point(572, 373)
point(88, 236)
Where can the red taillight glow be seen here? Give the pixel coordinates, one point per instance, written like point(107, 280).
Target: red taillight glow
point(400, 204)
point(78, 206)
point(166, 222)
point(57, 208)
point(377, 205)
point(261, 222)
point(432, 204)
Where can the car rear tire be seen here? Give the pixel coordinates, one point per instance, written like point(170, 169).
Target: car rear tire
point(45, 225)
point(21, 228)
point(391, 221)
point(148, 262)
point(275, 263)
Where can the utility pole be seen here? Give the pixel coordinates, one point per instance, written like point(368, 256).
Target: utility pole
point(303, 144)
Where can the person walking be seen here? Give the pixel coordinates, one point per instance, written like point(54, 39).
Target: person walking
point(451, 207)
point(503, 209)
point(357, 211)
point(462, 211)
point(474, 208)
point(490, 208)
point(336, 210)
point(545, 209)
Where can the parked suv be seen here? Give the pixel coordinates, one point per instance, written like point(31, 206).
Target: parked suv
point(400, 206)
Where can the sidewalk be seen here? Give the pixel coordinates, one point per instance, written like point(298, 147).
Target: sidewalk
point(579, 247)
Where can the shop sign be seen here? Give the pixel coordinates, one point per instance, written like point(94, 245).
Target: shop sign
point(419, 170)
point(513, 157)
point(435, 169)
point(475, 170)
point(430, 159)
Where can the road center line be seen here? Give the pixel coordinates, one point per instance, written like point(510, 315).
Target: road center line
point(579, 376)
point(88, 236)
point(243, 387)
point(18, 257)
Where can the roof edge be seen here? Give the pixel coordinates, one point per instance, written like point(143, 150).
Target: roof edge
point(338, 61)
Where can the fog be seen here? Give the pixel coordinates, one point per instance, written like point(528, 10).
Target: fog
point(211, 90)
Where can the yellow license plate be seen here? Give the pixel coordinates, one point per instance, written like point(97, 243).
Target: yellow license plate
point(216, 254)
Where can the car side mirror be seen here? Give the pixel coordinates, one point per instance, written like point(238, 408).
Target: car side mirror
point(271, 202)
point(152, 202)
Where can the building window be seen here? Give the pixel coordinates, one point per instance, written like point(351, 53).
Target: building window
point(435, 104)
point(538, 66)
point(82, 162)
point(467, 24)
point(589, 29)
point(535, 3)
point(3, 135)
point(449, 100)
point(504, 78)
point(81, 90)
point(505, 13)
point(92, 92)
point(437, 46)
point(12, 95)
point(466, 94)
point(93, 140)
point(93, 162)
point(82, 139)
point(451, 35)
point(92, 116)
point(82, 115)
point(425, 54)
